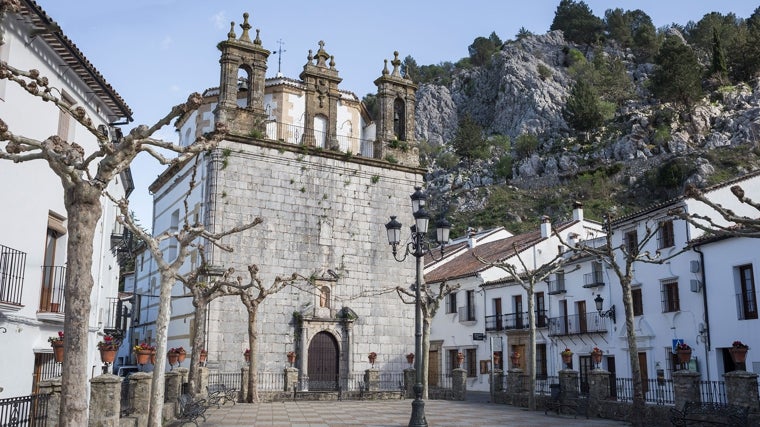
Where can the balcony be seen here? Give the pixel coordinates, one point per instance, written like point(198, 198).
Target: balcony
point(557, 286)
point(51, 292)
point(593, 279)
point(577, 324)
point(12, 265)
point(116, 322)
point(295, 134)
point(467, 314)
point(514, 321)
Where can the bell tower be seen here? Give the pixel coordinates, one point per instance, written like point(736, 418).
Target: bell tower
point(321, 116)
point(395, 122)
point(241, 85)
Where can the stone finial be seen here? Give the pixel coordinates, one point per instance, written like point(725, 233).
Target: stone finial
point(385, 67)
point(246, 27)
point(310, 57)
point(332, 62)
point(231, 35)
point(257, 41)
point(322, 55)
point(396, 62)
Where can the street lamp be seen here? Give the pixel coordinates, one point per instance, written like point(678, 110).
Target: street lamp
point(418, 247)
point(599, 301)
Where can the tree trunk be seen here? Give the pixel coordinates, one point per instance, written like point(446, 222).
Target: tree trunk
point(425, 354)
point(638, 410)
point(199, 338)
point(531, 350)
point(155, 415)
point(253, 342)
point(83, 207)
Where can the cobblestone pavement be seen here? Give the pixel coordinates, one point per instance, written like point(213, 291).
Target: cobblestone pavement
point(388, 413)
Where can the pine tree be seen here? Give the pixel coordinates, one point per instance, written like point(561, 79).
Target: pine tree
point(582, 111)
point(677, 76)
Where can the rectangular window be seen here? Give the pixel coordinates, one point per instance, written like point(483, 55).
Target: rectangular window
point(471, 362)
point(747, 296)
point(45, 368)
point(470, 305)
point(632, 242)
point(453, 364)
point(541, 371)
point(665, 236)
point(638, 306)
point(540, 310)
point(451, 303)
point(670, 301)
point(64, 119)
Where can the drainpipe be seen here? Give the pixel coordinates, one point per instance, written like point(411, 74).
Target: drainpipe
point(707, 313)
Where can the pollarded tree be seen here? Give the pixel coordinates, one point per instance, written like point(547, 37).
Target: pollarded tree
point(678, 74)
point(84, 177)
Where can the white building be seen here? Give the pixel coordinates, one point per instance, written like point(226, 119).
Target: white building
point(34, 235)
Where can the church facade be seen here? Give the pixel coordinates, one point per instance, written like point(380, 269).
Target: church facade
point(304, 156)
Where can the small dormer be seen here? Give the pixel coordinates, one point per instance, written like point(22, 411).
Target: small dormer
point(396, 100)
point(241, 86)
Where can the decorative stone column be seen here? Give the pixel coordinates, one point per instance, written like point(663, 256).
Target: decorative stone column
point(291, 379)
point(139, 395)
point(599, 390)
point(686, 387)
point(105, 401)
point(52, 388)
point(459, 384)
point(568, 381)
point(514, 384)
point(741, 389)
point(410, 376)
point(173, 381)
point(371, 380)
point(244, 372)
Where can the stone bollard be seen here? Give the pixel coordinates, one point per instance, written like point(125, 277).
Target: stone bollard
point(184, 374)
point(105, 401)
point(139, 396)
point(459, 384)
point(371, 380)
point(173, 381)
point(741, 389)
point(52, 388)
point(410, 377)
point(568, 381)
point(685, 387)
point(291, 379)
point(244, 382)
point(514, 385)
point(203, 382)
point(599, 390)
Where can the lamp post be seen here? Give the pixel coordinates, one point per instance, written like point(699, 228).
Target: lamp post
point(599, 301)
point(418, 247)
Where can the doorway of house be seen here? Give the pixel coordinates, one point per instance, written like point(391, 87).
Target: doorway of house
point(323, 362)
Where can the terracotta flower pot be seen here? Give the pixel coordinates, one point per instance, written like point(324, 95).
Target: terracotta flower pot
point(372, 358)
point(107, 354)
point(684, 356)
point(172, 357)
point(567, 358)
point(153, 357)
point(57, 351)
point(291, 358)
point(596, 356)
point(515, 358)
point(142, 357)
point(204, 356)
point(247, 357)
point(181, 357)
point(410, 358)
point(460, 359)
point(738, 354)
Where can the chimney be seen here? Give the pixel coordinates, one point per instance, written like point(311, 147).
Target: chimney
point(546, 226)
point(577, 211)
point(471, 240)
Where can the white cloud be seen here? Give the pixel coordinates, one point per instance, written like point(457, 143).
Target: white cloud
point(220, 20)
point(166, 43)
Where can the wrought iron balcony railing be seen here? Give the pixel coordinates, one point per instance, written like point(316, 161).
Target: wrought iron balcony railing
point(295, 134)
point(51, 293)
point(576, 324)
point(593, 279)
point(557, 286)
point(514, 321)
point(12, 265)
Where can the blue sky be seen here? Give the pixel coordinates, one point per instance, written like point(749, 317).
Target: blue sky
point(156, 52)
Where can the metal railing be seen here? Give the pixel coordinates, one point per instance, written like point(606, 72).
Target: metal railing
point(116, 320)
point(514, 321)
point(557, 286)
point(386, 381)
point(295, 134)
point(577, 324)
point(659, 392)
point(712, 391)
point(229, 379)
point(12, 264)
point(593, 279)
point(53, 284)
point(24, 411)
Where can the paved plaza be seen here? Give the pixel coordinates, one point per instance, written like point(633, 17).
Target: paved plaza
point(388, 413)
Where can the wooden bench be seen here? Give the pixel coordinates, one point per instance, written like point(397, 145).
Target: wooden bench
point(699, 413)
point(190, 410)
point(219, 394)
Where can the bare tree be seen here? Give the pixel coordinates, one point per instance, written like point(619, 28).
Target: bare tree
point(429, 303)
point(527, 278)
point(84, 177)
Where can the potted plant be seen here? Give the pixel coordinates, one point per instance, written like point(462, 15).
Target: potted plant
point(596, 355)
point(372, 357)
point(684, 352)
point(410, 359)
point(460, 359)
point(738, 351)
point(57, 344)
point(181, 354)
point(173, 355)
point(567, 356)
point(515, 358)
point(247, 355)
point(291, 357)
point(143, 352)
point(203, 357)
point(108, 347)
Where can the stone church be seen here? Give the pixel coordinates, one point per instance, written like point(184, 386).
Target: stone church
point(304, 155)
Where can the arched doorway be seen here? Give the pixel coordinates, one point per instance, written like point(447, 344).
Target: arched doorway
point(323, 362)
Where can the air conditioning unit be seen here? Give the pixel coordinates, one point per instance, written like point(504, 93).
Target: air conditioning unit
point(696, 285)
point(694, 267)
